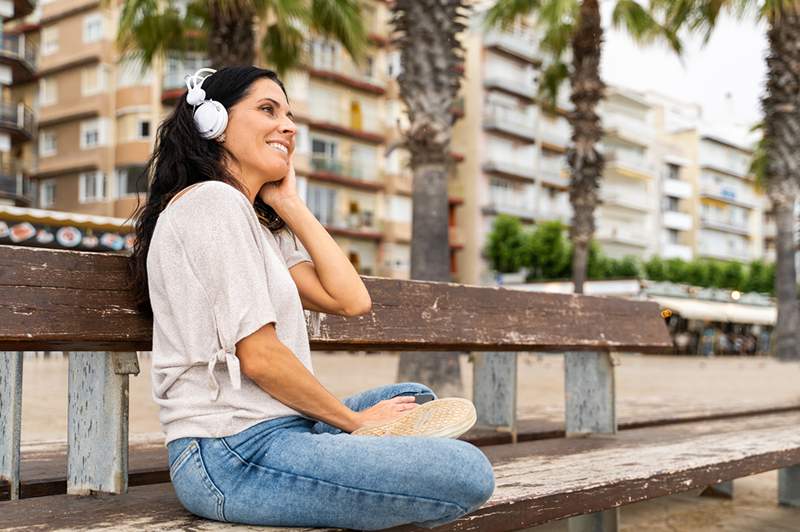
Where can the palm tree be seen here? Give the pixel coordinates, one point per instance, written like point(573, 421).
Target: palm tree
point(777, 161)
point(574, 27)
point(431, 58)
point(226, 29)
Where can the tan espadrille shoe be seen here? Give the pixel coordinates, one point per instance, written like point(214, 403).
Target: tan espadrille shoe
point(441, 418)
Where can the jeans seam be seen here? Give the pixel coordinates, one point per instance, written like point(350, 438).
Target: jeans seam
point(273, 470)
point(211, 486)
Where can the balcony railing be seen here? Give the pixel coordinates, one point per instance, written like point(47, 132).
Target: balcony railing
point(341, 65)
point(724, 224)
point(508, 83)
point(511, 121)
point(352, 169)
point(523, 44)
point(630, 162)
point(177, 68)
point(726, 193)
point(19, 48)
point(628, 127)
point(17, 116)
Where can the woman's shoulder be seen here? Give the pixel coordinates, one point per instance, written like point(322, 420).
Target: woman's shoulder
point(210, 195)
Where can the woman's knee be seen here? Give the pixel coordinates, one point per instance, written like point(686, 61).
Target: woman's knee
point(412, 388)
point(476, 478)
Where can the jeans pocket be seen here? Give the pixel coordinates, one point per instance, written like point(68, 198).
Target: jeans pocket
point(194, 487)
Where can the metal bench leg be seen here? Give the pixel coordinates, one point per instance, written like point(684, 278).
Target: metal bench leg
point(494, 390)
point(591, 408)
point(789, 486)
point(10, 422)
point(723, 490)
point(97, 420)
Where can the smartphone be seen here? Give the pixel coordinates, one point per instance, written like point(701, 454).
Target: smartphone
point(421, 398)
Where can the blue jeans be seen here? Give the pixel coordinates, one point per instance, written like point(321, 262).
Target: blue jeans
point(293, 471)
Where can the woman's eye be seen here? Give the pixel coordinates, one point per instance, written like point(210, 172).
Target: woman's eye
point(268, 107)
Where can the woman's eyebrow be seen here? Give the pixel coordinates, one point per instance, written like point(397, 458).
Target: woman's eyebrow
point(277, 105)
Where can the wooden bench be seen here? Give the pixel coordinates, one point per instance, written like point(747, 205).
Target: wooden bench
point(76, 302)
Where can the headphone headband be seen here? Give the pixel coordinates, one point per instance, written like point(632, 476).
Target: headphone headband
point(210, 117)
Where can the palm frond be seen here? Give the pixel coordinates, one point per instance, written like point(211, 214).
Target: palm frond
point(343, 21)
point(504, 12)
point(283, 45)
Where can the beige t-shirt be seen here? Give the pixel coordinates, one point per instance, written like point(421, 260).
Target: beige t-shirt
point(215, 276)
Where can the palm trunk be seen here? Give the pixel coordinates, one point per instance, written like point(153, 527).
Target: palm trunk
point(431, 55)
point(586, 163)
point(781, 107)
point(231, 37)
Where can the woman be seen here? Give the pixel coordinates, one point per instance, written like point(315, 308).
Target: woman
point(252, 435)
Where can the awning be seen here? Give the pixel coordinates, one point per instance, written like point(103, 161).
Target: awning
point(695, 309)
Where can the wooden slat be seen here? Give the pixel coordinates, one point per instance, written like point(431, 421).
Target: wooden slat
point(536, 482)
point(77, 301)
point(44, 465)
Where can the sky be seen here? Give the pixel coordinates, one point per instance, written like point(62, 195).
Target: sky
point(732, 62)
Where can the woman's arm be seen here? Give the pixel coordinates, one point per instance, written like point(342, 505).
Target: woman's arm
point(277, 371)
point(331, 284)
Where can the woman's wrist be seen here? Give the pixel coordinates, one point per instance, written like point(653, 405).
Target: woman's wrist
point(287, 205)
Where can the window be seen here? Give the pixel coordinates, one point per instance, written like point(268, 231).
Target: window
point(48, 91)
point(394, 66)
point(131, 180)
point(94, 79)
point(673, 171)
point(93, 28)
point(49, 40)
point(47, 143)
point(355, 115)
point(92, 186)
point(322, 203)
point(47, 193)
point(93, 133)
point(671, 204)
point(324, 54)
point(144, 129)
point(324, 155)
point(672, 236)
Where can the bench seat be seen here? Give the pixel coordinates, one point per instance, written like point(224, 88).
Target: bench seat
point(536, 482)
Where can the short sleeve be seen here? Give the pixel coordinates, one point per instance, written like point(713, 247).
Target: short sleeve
point(292, 248)
point(223, 254)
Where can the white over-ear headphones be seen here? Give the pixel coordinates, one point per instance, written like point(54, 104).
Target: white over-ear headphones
point(211, 118)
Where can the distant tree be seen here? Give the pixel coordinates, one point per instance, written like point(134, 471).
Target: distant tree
point(675, 270)
point(505, 244)
point(548, 251)
point(655, 269)
point(697, 273)
point(733, 276)
point(623, 268)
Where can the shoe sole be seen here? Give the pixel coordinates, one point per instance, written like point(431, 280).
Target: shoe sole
point(441, 418)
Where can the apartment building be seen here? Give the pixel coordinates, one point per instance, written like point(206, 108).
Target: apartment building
point(626, 216)
point(96, 117)
point(18, 62)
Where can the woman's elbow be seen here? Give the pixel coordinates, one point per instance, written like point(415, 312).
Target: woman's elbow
point(364, 307)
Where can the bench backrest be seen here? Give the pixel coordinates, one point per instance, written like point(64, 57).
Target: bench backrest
point(77, 301)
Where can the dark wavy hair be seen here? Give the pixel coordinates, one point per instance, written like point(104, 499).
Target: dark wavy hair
point(181, 158)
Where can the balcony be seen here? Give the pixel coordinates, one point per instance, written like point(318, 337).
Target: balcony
point(734, 165)
point(554, 172)
point(356, 174)
point(727, 194)
point(551, 213)
point(676, 251)
point(494, 166)
point(173, 84)
point(555, 133)
point(342, 70)
point(517, 87)
point(628, 128)
point(511, 122)
point(15, 185)
point(677, 220)
point(355, 225)
point(625, 199)
point(495, 206)
point(626, 237)
point(677, 188)
point(19, 54)
point(16, 119)
point(629, 165)
point(520, 44)
point(722, 224)
point(734, 254)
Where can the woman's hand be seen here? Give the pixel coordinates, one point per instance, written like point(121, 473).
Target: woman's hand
point(385, 411)
point(273, 193)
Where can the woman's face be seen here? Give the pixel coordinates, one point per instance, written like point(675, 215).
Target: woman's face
point(261, 132)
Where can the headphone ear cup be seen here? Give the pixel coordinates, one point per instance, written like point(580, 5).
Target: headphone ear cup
point(211, 119)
